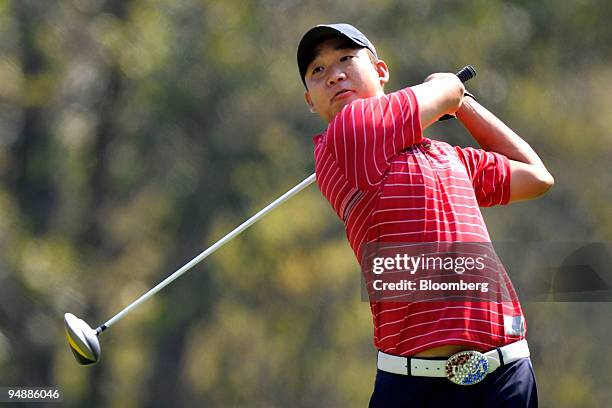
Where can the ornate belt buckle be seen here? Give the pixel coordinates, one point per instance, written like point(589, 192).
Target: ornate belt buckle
point(467, 367)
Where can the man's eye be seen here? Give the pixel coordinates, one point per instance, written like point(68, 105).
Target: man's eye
point(317, 70)
point(346, 58)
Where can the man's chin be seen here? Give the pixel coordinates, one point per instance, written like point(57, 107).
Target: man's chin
point(340, 104)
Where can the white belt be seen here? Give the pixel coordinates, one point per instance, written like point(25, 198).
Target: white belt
point(465, 367)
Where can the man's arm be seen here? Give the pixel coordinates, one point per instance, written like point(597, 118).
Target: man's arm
point(529, 177)
point(441, 93)
point(367, 134)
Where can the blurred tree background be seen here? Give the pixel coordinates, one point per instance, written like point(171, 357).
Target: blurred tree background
point(134, 133)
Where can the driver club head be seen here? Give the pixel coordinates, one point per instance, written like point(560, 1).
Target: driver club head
point(83, 340)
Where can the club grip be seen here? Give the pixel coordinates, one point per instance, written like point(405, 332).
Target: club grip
point(468, 72)
point(465, 74)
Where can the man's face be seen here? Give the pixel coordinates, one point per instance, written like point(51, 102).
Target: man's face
point(337, 76)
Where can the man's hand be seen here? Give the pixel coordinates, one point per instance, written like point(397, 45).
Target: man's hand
point(529, 176)
point(440, 94)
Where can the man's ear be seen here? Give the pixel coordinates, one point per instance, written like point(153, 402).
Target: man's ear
point(309, 101)
point(383, 71)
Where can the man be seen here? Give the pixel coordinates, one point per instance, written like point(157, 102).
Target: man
point(388, 183)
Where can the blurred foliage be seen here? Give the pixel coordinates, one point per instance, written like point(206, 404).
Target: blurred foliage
point(134, 133)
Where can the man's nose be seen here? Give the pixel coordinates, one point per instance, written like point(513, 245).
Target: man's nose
point(335, 77)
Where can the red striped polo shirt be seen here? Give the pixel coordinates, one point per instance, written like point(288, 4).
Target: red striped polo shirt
point(388, 183)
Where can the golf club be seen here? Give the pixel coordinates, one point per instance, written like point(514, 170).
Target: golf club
point(84, 341)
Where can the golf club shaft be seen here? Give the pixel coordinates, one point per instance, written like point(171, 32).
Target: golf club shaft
point(308, 181)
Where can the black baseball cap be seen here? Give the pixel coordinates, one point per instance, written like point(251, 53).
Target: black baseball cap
point(321, 32)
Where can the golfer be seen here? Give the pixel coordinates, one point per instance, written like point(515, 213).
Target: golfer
point(388, 183)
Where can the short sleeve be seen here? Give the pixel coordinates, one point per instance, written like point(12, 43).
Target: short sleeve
point(367, 133)
point(489, 173)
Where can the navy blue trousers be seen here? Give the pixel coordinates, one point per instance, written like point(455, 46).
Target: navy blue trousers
point(510, 386)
